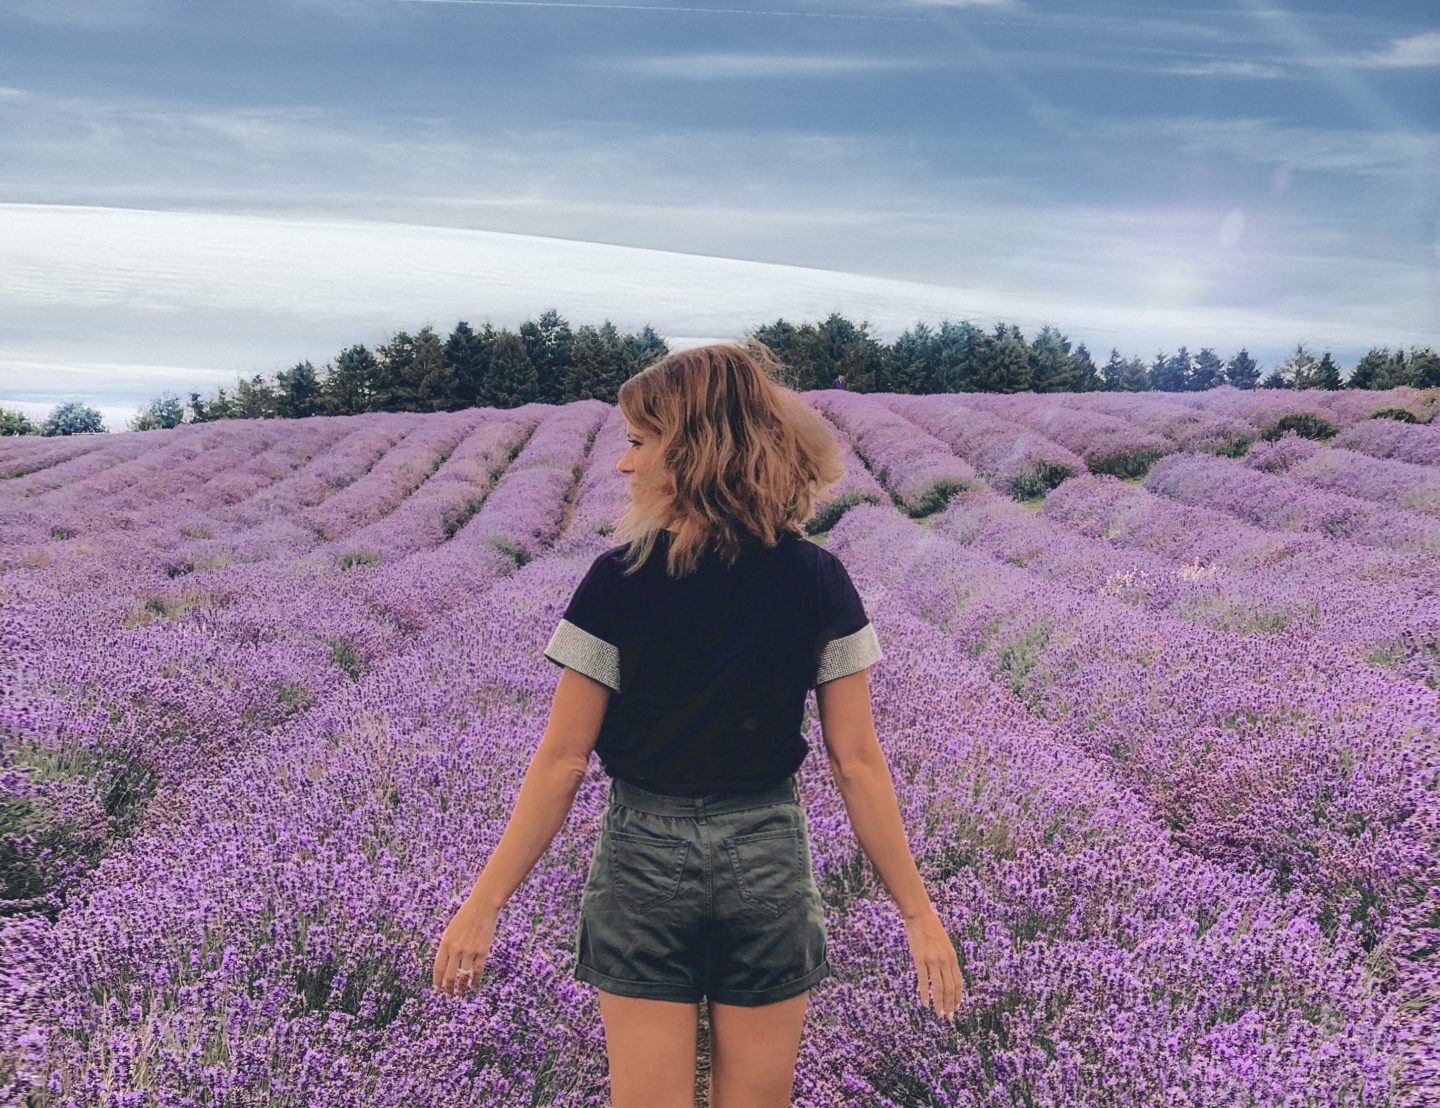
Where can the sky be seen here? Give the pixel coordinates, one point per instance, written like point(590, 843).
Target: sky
point(195, 191)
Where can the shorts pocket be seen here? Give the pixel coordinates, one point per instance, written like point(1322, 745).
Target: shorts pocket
point(645, 870)
point(770, 868)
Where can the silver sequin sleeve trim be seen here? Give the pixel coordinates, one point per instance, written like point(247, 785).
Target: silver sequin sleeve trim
point(846, 655)
point(577, 649)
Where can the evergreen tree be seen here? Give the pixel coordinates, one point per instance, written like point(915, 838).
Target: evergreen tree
point(1050, 363)
point(298, 391)
point(1171, 373)
point(199, 410)
point(1084, 375)
point(1369, 368)
point(1004, 362)
point(436, 380)
point(1396, 371)
point(641, 350)
point(468, 353)
point(395, 388)
point(1425, 367)
point(73, 418)
point(840, 348)
point(220, 407)
point(350, 384)
point(254, 399)
point(911, 364)
point(1299, 368)
point(165, 412)
point(1209, 372)
point(548, 343)
point(1277, 379)
point(511, 380)
point(959, 348)
point(1242, 370)
point(786, 343)
point(1327, 373)
point(1111, 371)
point(1135, 376)
point(596, 364)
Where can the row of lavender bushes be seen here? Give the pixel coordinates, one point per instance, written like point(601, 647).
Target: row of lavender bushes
point(269, 697)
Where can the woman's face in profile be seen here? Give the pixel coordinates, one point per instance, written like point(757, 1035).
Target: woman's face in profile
point(635, 463)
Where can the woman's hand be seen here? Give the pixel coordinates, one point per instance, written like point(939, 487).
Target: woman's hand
point(460, 962)
point(937, 969)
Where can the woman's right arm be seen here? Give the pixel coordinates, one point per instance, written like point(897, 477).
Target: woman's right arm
point(861, 773)
point(863, 778)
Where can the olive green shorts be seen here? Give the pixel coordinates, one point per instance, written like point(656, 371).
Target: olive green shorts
point(710, 896)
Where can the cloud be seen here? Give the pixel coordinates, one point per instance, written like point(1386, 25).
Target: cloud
point(1257, 70)
point(601, 5)
point(1404, 53)
point(87, 14)
point(722, 67)
point(184, 300)
point(1412, 155)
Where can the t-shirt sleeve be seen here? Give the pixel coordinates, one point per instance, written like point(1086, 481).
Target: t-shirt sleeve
point(586, 639)
point(847, 641)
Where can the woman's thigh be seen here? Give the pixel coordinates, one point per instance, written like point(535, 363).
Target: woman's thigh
point(753, 1051)
point(651, 1045)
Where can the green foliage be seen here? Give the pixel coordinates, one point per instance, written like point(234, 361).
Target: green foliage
point(357, 558)
point(47, 841)
point(1307, 424)
point(1404, 415)
point(345, 657)
point(16, 422)
point(1128, 464)
point(547, 361)
point(73, 418)
point(1038, 480)
point(830, 512)
point(1242, 371)
point(164, 412)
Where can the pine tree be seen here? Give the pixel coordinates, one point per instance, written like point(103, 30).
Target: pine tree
point(1298, 369)
point(1084, 376)
point(254, 399)
point(1242, 370)
point(910, 364)
point(351, 384)
point(1004, 362)
point(298, 392)
point(1369, 368)
point(511, 380)
point(1327, 373)
point(468, 354)
point(1050, 366)
point(959, 348)
point(1209, 372)
point(436, 379)
point(548, 342)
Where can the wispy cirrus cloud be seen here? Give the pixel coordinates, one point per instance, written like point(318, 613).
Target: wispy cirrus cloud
point(1413, 51)
point(727, 66)
point(1253, 70)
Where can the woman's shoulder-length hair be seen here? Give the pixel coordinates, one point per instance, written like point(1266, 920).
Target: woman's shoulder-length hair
point(741, 457)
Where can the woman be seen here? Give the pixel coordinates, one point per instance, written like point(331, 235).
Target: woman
point(688, 653)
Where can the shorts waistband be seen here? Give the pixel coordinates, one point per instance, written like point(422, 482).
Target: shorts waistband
point(633, 796)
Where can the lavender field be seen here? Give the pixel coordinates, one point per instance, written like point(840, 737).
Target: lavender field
point(1159, 692)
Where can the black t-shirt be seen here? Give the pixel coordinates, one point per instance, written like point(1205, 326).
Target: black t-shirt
point(708, 672)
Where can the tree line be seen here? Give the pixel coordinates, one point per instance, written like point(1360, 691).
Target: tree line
point(549, 362)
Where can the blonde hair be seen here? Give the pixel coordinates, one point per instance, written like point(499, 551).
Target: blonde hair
point(741, 458)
